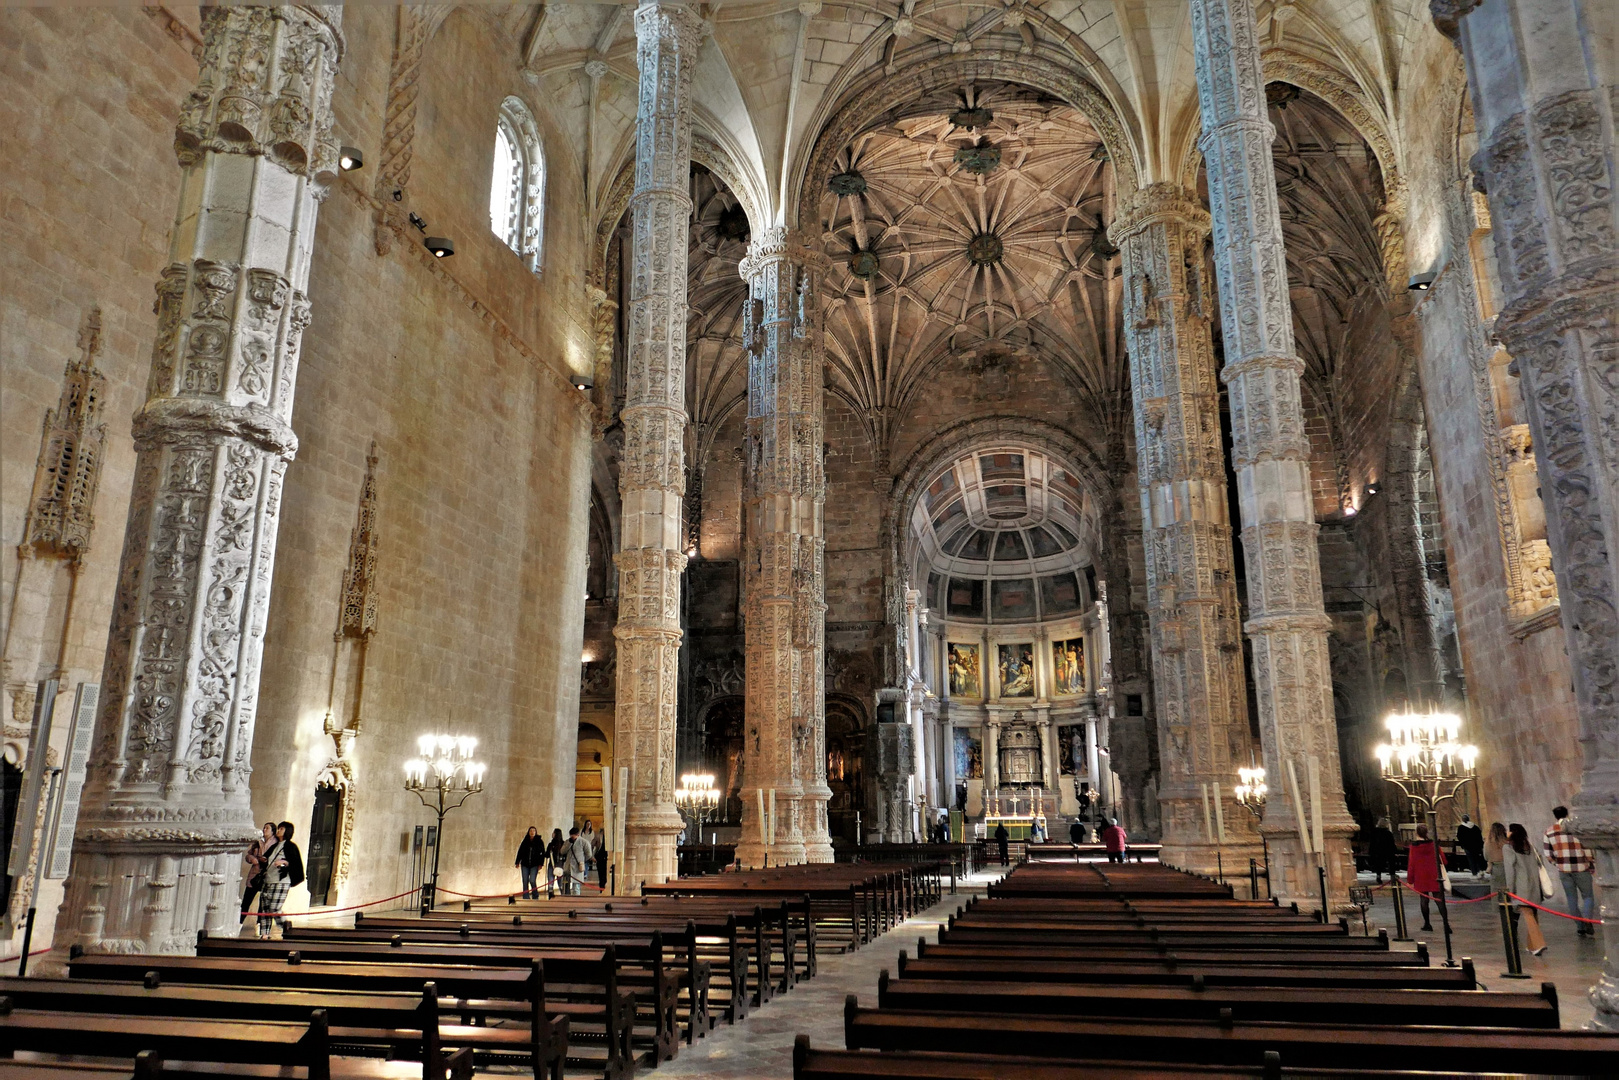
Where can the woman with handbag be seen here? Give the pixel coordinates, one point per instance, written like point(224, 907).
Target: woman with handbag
point(284, 868)
point(255, 867)
point(1522, 872)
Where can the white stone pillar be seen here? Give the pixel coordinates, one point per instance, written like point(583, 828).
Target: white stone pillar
point(1271, 452)
point(784, 564)
point(992, 755)
point(1542, 77)
point(166, 812)
point(652, 482)
point(1198, 681)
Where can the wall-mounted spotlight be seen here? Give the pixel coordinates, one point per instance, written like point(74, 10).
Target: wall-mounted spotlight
point(1372, 489)
point(583, 383)
point(1421, 282)
point(416, 220)
point(440, 246)
point(350, 158)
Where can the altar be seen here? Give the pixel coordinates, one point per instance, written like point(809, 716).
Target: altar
point(1017, 827)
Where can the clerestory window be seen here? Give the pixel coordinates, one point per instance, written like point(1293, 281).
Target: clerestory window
point(517, 189)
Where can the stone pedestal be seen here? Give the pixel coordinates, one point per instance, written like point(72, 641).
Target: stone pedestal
point(1542, 80)
point(785, 580)
point(1271, 451)
point(166, 813)
point(1191, 589)
point(652, 482)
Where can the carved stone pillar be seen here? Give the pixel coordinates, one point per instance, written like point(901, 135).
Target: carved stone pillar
point(1191, 589)
point(652, 480)
point(1271, 452)
point(166, 810)
point(1544, 106)
point(785, 581)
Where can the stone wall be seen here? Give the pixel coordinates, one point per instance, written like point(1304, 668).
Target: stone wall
point(458, 369)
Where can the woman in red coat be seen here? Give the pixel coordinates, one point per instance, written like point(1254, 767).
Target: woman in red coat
point(1115, 840)
point(1422, 872)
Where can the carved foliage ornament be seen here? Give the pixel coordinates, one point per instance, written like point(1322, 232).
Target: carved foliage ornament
point(60, 514)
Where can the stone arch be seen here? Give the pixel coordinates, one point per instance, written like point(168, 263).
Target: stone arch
point(882, 92)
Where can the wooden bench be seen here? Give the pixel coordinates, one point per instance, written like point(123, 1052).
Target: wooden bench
point(1164, 972)
point(148, 1066)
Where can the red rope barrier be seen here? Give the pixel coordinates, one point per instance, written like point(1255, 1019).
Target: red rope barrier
point(325, 911)
point(515, 892)
point(1549, 911)
point(36, 952)
point(1453, 899)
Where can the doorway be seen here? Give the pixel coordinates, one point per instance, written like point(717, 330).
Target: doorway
point(323, 821)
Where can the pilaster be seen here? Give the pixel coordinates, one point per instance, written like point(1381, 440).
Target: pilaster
point(166, 811)
point(1180, 464)
point(1271, 453)
point(784, 563)
point(1544, 103)
point(652, 484)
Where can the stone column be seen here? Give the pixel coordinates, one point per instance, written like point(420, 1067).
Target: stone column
point(1542, 80)
point(1287, 625)
point(992, 755)
point(651, 477)
point(785, 581)
point(1180, 463)
point(166, 811)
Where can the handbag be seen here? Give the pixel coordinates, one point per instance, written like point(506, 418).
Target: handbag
point(1546, 886)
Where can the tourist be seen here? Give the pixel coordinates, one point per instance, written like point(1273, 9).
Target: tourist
point(284, 868)
point(1077, 833)
point(601, 861)
point(1001, 837)
point(1383, 850)
point(1522, 879)
point(1037, 835)
point(1568, 857)
point(556, 852)
point(1116, 840)
point(1470, 838)
point(588, 835)
point(255, 868)
point(575, 863)
point(1492, 851)
point(530, 855)
point(1422, 871)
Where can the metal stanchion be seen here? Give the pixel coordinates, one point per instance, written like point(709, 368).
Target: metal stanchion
point(1509, 937)
point(1253, 880)
point(1400, 932)
point(1219, 863)
point(1326, 913)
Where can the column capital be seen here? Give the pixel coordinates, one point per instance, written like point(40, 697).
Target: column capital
point(1161, 202)
point(780, 244)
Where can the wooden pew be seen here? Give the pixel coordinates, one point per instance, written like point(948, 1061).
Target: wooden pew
point(148, 1066)
point(1160, 972)
point(1238, 1042)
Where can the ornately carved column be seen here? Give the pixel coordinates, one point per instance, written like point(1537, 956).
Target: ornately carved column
point(1542, 79)
point(1271, 453)
point(651, 482)
point(166, 811)
point(785, 588)
point(1191, 590)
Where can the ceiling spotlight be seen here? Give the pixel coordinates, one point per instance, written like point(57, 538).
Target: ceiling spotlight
point(350, 159)
point(440, 246)
point(583, 383)
point(1349, 511)
point(1372, 489)
point(1422, 282)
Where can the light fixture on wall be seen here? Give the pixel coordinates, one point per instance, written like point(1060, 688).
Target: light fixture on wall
point(1422, 282)
point(350, 158)
point(1372, 488)
point(583, 383)
point(441, 246)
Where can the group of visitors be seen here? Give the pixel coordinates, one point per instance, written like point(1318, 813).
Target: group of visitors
point(274, 866)
point(1515, 866)
point(568, 863)
point(1112, 836)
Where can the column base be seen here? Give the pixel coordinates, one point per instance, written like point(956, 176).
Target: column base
point(1293, 875)
point(817, 839)
point(1212, 860)
point(650, 855)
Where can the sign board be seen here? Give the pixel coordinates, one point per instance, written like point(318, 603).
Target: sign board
point(34, 770)
point(1360, 895)
point(59, 846)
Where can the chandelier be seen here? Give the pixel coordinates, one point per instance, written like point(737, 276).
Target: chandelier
point(445, 763)
point(1425, 758)
point(1251, 790)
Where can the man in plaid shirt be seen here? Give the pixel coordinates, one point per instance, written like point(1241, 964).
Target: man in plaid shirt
point(1573, 864)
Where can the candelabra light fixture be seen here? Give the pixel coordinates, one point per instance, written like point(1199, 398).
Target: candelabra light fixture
point(444, 776)
point(1251, 792)
point(697, 798)
point(1426, 759)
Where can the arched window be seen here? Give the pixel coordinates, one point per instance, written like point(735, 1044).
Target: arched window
point(517, 191)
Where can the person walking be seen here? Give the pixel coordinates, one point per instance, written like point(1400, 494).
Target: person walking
point(255, 868)
point(1422, 872)
point(1492, 851)
point(556, 852)
point(1001, 837)
point(1115, 840)
point(284, 868)
point(1077, 833)
point(575, 863)
point(1521, 866)
point(530, 856)
point(602, 861)
point(1470, 838)
point(1383, 850)
point(588, 835)
point(1573, 864)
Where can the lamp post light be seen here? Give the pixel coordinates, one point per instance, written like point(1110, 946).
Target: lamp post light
point(1251, 792)
point(1426, 761)
point(443, 777)
point(697, 798)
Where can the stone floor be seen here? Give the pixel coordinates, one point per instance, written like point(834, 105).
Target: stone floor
point(761, 1047)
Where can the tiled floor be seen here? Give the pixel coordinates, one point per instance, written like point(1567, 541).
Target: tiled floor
point(761, 1047)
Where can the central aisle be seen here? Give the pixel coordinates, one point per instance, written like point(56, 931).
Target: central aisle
point(761, 1047)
